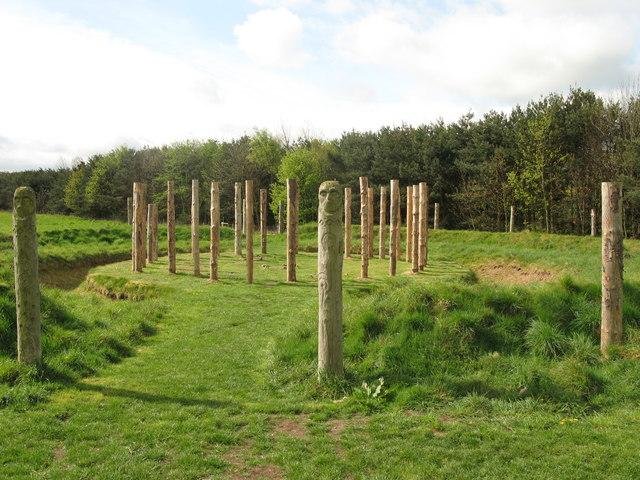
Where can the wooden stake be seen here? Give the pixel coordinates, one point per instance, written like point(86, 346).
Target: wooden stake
point(129, 210)
point(394, 223)
point(292, 228)
point(423, 232)
point(195, 227)
point(237, 219)
point(370, 201)
point(244, 216)
point(593, 222)
point(137, 230)
point(415, 244)
point(436, 216)
point(512, 217)
point(347, 222)
point(248, 222)
point(280, 218)
point(171, 226)
point(409, 224)
point(612, 266)
point(152, 232)
point(382, 229)
point(263, 221)
point(330, 251)
point(364, 227)
point(214, 240)
point(25, 264)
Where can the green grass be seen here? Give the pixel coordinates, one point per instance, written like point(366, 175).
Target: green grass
point(169, 376)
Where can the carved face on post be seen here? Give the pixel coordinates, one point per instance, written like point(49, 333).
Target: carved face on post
point(330, 198)
point(24, 201)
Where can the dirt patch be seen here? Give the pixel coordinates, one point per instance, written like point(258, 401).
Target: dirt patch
point(236, 458)
point(292, 427)
point(514, 274)
point(338, 425)
point(59, 453)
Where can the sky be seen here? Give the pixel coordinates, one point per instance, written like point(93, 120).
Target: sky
point(78, 77)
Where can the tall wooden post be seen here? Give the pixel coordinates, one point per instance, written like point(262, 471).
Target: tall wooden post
point(248, 222)
point(330, 247)
point(129, 210)
point(394, 223)
point(280, 218)
point(292, 228)
point(263, 221)
point(25, 265)
point(370, 217)
point(195, 226)
point(409, 224)
point(171, 226)
point(423, 232)
point(382, 228)
point(415, 238)
point(152, 232)
point(364, 227)
point(237, 219)
point(593, 222)
point(612, 236)
point(347, 222)
point(143, 255)
point(214, 240)
point(512, 217)
point(138, 231)
point(436, 216)
point(244, 215)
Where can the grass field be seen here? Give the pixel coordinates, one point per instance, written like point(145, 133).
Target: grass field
point(489, 362)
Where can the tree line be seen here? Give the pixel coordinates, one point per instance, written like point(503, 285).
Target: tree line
point(547, 158)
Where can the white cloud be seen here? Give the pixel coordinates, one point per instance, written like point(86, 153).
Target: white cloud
point(271, 37)
point(339, 7)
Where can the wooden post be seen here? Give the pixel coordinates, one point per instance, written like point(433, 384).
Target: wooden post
point(382, 229)
point(512, 217)
point(409, 224)
point(25, 264)
point(171, 226)
point(152, 232)
point(415, 239)
point(436, 216)
point(612, 258)
point(195, 227)
point(370, 217)
point(138, 230)
point(280, 218)
point(423, 232)
point(244, 216)
point(129, 210)
point(330, 247)
point(143, 208)
point(394, 224)
point(364, 227)
point(593, 222)
point(237, 225)
point(263, 221)
point(248, 223)
point(292, 228)
point(347, 222)
point(214, 241)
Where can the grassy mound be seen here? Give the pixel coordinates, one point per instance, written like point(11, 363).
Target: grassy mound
point(119, 288)
point(434, 343)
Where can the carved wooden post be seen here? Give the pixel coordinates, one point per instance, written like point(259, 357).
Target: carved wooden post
point(214, 241)
point(512, 217)
point(347, 222)
point(263, 221)
point(423, 232)
point(436, 216)
point(25, 264)
point(409, 224)
point(248, 222)
point(280, 218)
point(415, 238)
point(138, 230)
point(152, 232)
point(364, 227)
point(370, 201)
point(171, 227)
point(593, 222)
point(612, 236)
point(394, 224)
point(292, 228)
point(195, 227)
point(382, 229)
point(237, 225)
point(330, 247)
point(129, 210)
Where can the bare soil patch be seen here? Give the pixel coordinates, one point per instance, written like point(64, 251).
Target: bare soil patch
point(513, 273)
point(236, 458)
point(293, 427)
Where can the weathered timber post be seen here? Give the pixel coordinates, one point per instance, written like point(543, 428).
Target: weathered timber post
point(248, 223)
point(347, 222)
point(364, 227)
point(409, 224)
point(292, 228)
point(436, 216)
point(512, 217)
point(423, 232)
point(214, 241)
point(195, 227)
point(394, 224)
point(612, 236)
point(171, 226)
point(129, 210)
point(137, 230)
point(244, 216)
point(263, 221)
point(237, 219)
point(370, 201)
point(330, 247)
point(415, 239)
point(593, 222)
point(143, 256)
point(280, 218)
point(25, 265)
point(382, 229)
point(152, 232)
